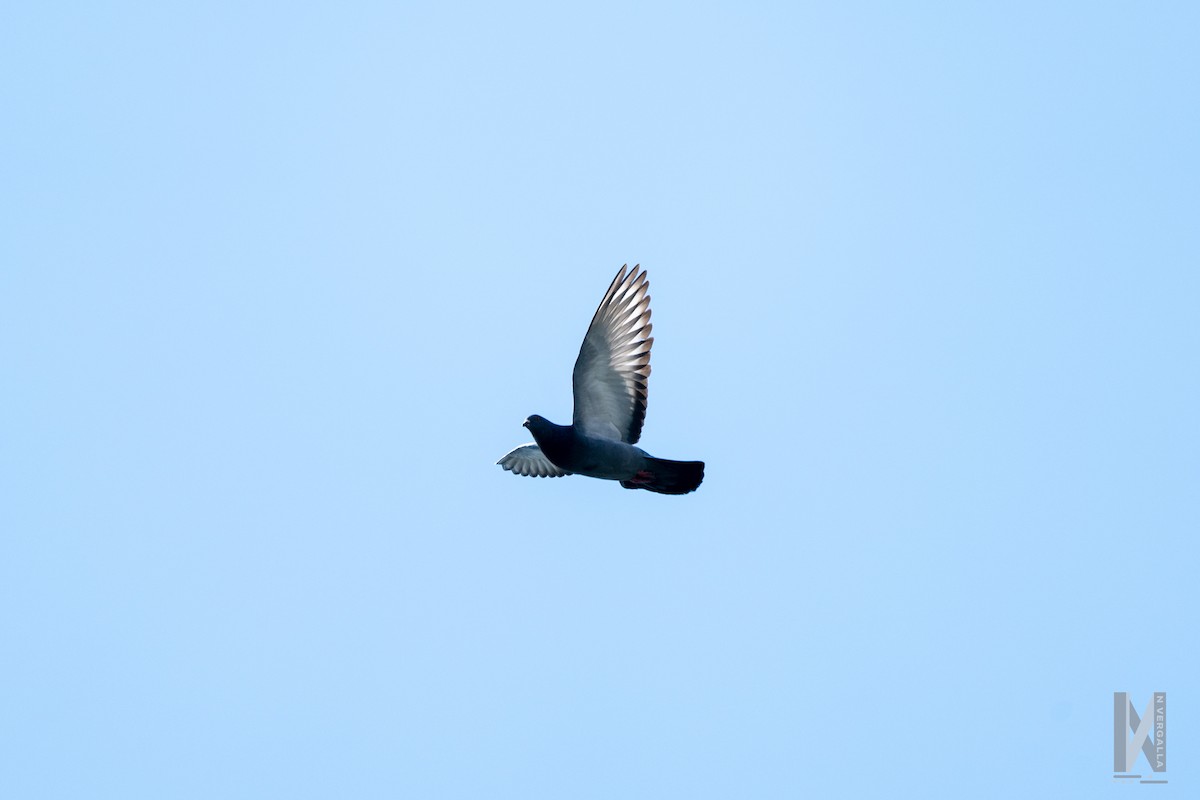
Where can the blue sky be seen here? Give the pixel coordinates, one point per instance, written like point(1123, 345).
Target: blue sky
point(278, 286)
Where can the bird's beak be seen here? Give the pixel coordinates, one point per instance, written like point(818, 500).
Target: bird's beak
point(525, 424)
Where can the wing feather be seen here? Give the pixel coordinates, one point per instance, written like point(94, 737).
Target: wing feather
point(530, 461)
point(612, 371)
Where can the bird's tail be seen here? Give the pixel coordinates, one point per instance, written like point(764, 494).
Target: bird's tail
point(667, 477)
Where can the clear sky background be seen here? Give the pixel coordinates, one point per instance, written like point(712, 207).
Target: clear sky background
point(278, 286)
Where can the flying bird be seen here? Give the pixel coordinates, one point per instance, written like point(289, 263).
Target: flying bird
point(609, 384)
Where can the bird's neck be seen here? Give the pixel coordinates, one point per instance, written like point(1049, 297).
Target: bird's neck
point(555, 441)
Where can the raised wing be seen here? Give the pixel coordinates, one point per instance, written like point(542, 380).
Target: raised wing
point(530, 461)
point(614, 362)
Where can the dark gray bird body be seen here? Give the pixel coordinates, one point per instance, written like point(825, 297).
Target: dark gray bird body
point(609, 384)
point(581, 454)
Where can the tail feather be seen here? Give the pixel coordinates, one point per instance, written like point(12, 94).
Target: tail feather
point(668, 477)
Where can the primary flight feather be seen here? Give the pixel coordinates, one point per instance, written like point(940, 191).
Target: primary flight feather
point(609, 385)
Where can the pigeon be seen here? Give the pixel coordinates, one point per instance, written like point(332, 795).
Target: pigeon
point(609, 384)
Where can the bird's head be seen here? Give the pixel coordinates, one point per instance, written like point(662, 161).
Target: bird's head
point(539, 426)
